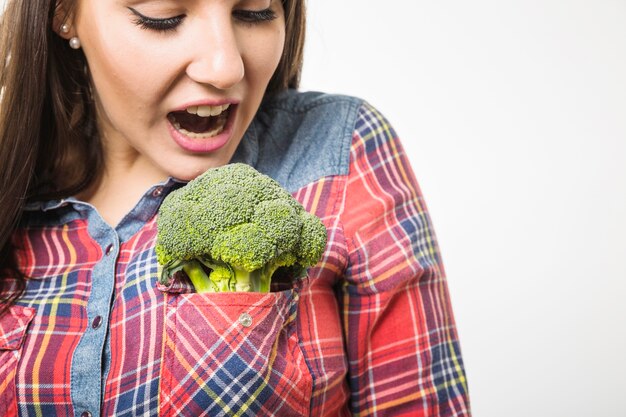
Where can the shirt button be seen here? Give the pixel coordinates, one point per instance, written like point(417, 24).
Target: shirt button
point(85, 414)
point(108, 250)
point(245, 320)
point(97, 321)
point(157, 192)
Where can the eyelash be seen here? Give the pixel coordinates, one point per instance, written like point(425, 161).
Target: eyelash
point(255, 16)
point(168, 24)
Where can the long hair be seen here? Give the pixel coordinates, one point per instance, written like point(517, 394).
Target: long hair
point(49, 144)
point(287, 74)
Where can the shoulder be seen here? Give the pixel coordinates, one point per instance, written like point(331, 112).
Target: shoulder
point(300, 137)
point(298, 102)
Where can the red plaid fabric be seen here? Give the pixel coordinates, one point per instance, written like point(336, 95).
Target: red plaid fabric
point(210, 335)
point(12, 331)
point(369, 331)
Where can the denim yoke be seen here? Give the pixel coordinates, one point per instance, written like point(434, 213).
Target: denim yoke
point(298, 138)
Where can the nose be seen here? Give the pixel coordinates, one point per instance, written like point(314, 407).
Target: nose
point(216, 58)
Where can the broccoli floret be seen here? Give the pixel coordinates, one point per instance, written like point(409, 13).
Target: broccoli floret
point(231, 228)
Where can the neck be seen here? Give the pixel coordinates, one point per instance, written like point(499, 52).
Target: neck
point(118, 190)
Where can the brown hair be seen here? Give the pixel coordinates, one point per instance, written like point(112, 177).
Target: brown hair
point(289, 68)
point(49, 146)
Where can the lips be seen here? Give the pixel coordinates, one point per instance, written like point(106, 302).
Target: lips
point(200, 122)
point(202, 128)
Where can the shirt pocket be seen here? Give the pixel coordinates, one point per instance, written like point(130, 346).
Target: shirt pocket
point(233, 354)
point(13, 326)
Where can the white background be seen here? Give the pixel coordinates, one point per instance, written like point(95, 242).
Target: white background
point(513, 114)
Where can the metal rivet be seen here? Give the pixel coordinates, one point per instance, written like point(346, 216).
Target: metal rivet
point(85, 414)
point(108, 250)
point(157, 192)
point(245, 320)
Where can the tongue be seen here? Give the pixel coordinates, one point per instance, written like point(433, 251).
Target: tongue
point(194, 123)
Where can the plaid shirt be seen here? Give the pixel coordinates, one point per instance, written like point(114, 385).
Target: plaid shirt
point(368, 332)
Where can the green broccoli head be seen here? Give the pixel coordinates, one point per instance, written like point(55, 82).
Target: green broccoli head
point(232, 228)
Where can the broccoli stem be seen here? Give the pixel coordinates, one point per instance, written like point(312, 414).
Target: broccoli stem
point(255, 281)
point(228, 278)
point(221, 276)
point(263, 280)
point(198, 277)
point(244, 280)
point(265, 277)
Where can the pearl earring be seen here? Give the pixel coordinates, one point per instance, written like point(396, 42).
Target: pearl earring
point(75, 42)
point(65, 28)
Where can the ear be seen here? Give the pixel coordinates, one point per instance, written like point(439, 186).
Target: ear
point(63, 16)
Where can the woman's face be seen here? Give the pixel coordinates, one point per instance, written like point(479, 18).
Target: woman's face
point(177, 82)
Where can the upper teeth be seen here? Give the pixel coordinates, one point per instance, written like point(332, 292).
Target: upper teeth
point(205, 111)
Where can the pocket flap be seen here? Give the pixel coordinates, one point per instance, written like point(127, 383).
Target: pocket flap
point(13, 325)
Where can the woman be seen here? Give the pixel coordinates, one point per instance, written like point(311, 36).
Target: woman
point(109, 105)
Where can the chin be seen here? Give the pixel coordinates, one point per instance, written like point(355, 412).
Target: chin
point(190, 171)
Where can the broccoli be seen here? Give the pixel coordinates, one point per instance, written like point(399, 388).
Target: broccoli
point(231, 228)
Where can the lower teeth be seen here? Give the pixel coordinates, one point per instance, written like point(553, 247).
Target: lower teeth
point(221, 123)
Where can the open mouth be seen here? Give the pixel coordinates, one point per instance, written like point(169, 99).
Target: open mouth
point(200, 122)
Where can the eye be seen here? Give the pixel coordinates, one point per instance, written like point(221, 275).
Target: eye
point(254, 16)
point(167, 24)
